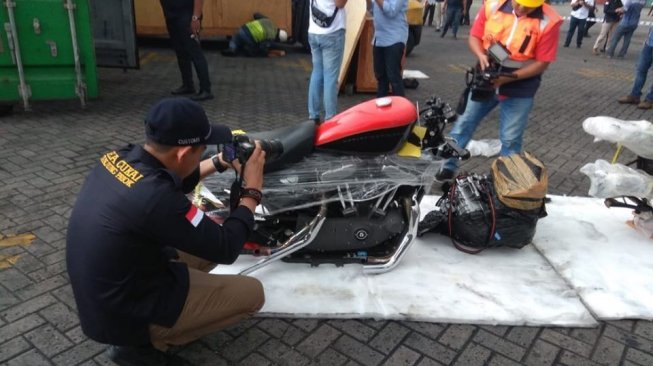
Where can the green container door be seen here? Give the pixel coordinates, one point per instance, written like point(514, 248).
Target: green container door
point(41, 56)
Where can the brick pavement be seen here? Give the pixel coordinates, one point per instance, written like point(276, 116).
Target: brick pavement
point(45, 154)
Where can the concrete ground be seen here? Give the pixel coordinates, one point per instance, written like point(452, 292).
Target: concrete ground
point(45, 154)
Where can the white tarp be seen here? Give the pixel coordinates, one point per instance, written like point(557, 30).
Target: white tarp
point(582, 250)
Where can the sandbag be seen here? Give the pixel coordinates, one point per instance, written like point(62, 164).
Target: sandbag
point(520, 181)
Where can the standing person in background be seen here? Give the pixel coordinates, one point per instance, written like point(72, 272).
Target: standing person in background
point(326, 36)
point(643, 66)
point(591, 20)
point(439, 14)
point(579, 13)
point(631, 10)
point(429, 9)
point(610, 21)
point(390, 36)
point(183, 20)
point(465, 18)
point(529, 30)
point(454, 10)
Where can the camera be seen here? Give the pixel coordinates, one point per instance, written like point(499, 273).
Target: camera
point(480, 81)
point(243, 146)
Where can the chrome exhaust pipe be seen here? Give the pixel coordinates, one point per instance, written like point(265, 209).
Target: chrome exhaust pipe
point(387, 263)
point(299, 240)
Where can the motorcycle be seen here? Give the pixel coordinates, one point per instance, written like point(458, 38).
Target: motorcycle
point(347, 190)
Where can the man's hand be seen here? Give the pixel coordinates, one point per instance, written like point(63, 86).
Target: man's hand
point(195, 26)
point(483, 61)
point(253, 174)
point(476, 46)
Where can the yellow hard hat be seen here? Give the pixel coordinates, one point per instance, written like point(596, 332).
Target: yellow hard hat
point(530, 3)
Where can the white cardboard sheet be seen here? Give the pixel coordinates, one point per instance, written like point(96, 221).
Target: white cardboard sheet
point(582, 250)
point(609, 264)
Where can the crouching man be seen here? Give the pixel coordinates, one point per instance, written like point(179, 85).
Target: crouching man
point(256, 38)
point(138, 252)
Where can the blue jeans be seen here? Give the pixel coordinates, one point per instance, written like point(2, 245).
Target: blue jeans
point(513, 118)
point(573, 24)
point(643, 65)
point(387, 69)
point(621, 31)
point(326, 51)
point(452, 19)
point(242, 42)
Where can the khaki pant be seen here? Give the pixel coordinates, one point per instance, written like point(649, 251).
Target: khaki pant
point(214, 302)
point(604, 37)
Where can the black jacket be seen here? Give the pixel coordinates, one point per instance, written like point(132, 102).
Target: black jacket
point(609, 10)
point(129, 216)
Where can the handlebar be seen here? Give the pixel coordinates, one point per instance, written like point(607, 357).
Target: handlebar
point(640, 205)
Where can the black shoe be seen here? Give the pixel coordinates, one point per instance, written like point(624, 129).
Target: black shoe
point(142, 356)
point(202, 95)
point(445, 175)
point(184, 89)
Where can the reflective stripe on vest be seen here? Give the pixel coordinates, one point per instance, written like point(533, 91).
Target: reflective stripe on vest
point(256, 30)
point(520, 35)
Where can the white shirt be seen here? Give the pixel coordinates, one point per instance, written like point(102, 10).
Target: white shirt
point(582, 12)
point(327, 7)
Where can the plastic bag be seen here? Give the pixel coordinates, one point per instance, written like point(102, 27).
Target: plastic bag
point(615, 180)
point(637, 136)
point(643, 222)
point(485, 147)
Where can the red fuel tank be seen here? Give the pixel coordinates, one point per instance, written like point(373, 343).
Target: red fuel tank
point(375, 126)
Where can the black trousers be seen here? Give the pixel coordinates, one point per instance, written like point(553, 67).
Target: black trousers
point(428, 13)
point(387, 69)
point(188, 49)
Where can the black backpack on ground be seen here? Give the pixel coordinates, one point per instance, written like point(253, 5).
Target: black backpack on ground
point(480, 211)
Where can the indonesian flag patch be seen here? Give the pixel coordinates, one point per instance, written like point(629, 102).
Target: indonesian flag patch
point(194, 215)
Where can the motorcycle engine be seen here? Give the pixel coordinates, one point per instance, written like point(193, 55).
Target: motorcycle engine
point(356, 232)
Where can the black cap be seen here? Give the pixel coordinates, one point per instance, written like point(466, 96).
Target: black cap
point(182, 122)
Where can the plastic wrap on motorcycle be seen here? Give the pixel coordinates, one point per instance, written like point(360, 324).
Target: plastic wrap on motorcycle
point(352, 199)
point(324, 178)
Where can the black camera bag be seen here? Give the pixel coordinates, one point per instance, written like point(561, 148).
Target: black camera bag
point(320, 18)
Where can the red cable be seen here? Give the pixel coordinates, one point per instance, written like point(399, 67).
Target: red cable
point(494, 216)
point(457, 245)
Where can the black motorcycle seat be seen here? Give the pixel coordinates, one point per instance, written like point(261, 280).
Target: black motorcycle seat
point(297, 141)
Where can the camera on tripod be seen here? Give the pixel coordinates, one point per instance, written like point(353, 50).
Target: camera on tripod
point(480, 81)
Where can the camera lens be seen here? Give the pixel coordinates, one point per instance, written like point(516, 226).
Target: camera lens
point(245, 147)
point(273, 148)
